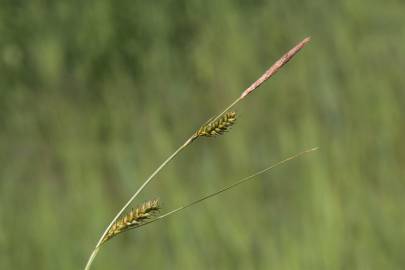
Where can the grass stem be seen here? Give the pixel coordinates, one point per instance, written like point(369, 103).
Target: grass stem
point(273, 69)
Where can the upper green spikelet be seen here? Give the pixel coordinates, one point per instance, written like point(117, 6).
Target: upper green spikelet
point(217, 127)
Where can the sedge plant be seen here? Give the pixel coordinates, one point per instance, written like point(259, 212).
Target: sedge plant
point(217, 125)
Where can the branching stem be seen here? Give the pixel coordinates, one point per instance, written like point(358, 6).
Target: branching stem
point(272, 70)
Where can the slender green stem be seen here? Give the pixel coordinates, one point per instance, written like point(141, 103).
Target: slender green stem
point(226, 109)
point(231, 186)
point(92, 256)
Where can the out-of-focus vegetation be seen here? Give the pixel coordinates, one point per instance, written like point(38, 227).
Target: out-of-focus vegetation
point(95, 94)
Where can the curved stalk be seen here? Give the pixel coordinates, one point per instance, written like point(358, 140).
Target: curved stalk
point(270, 72)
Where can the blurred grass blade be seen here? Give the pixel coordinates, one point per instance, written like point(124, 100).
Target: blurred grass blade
point(226, 188)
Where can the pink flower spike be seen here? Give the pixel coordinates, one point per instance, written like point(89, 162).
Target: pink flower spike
point(276, 66)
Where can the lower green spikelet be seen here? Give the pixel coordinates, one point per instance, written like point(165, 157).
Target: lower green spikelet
point(133, 219)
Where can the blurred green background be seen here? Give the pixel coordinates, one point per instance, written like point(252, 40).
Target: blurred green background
point(94, 95)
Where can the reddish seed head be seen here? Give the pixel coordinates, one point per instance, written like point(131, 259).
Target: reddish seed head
point(276, 66)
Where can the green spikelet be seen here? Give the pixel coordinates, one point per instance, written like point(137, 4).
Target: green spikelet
point(218, 126)
point(133, 219)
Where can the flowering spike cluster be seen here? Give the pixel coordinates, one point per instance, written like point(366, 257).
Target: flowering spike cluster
point(133, 219)
point(218, 126)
